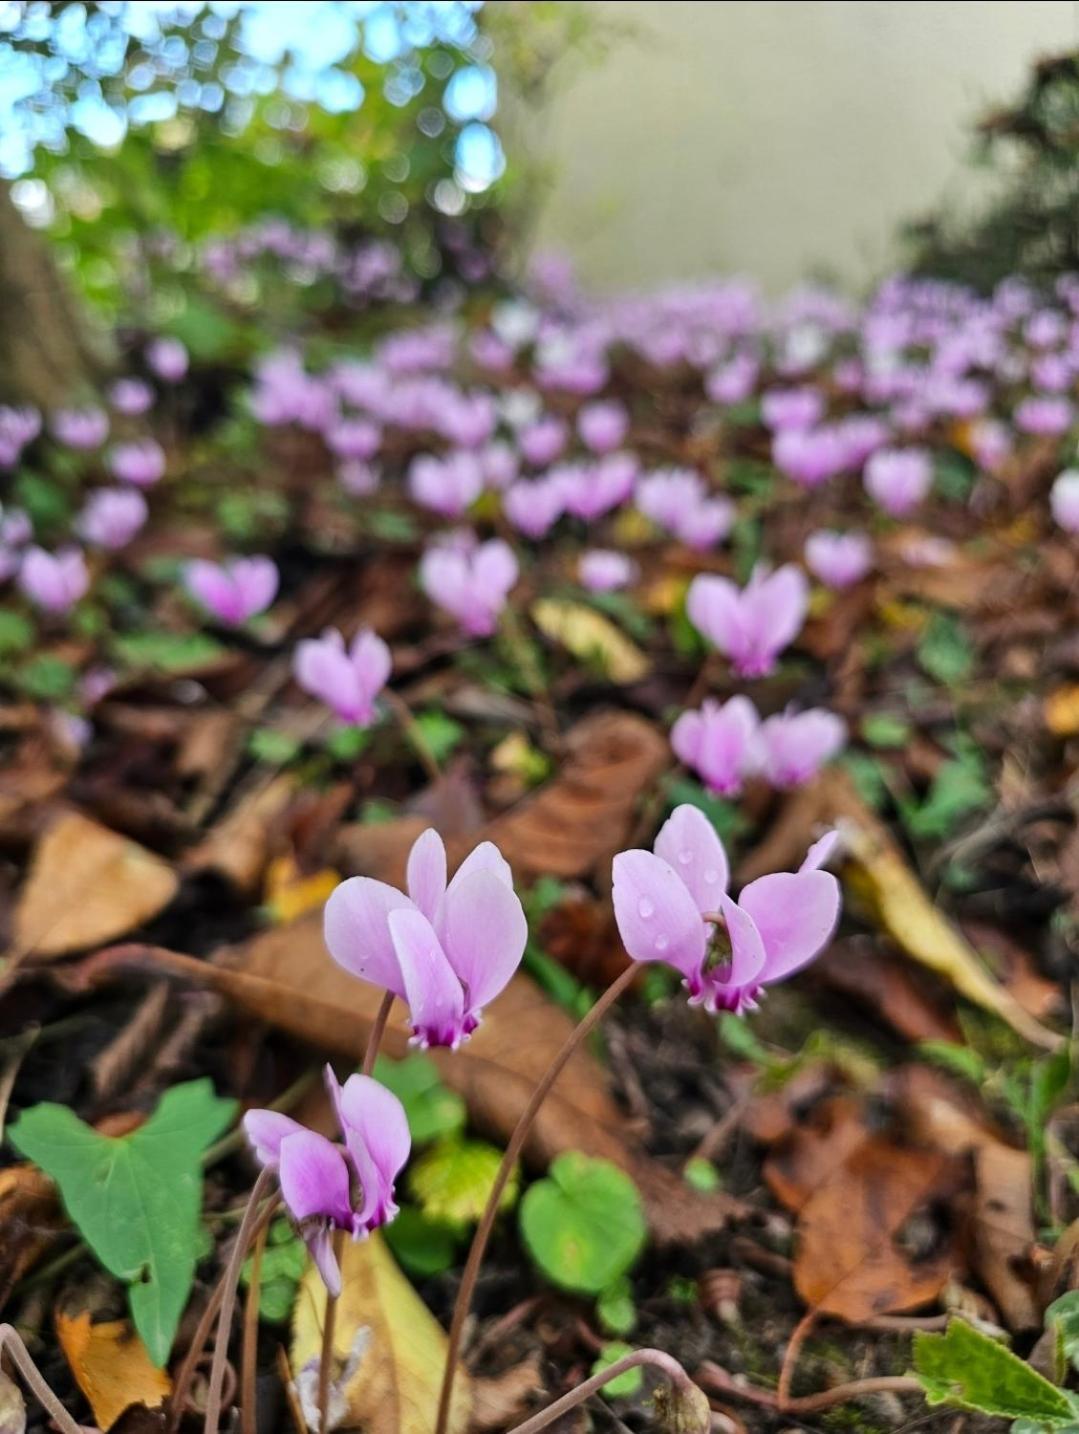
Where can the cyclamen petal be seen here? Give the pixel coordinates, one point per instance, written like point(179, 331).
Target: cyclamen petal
point(266, 1129)
point(356, 930)
point(657, 916)
point(347, 681)
point(432, 989)
point(718, 743)
point(751, 626)
point(689, 843)
point(796, 913)
point(426, 873)
point(483, 932)
point(377, 1138)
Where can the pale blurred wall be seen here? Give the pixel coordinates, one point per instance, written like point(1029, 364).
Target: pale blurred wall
point(775, 138)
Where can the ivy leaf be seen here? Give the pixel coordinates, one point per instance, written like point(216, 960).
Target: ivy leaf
point(583, 1224)
point(135, 1199)
point(966, 1368)
point(433, 1110)
point(441, 734)
point(424, 1247)
point(451, 1182)
point(615, 1309)
point(944, 651)
point(171, 653)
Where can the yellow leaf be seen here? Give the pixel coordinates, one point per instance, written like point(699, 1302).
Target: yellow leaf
point(665, 595)
point(1062, 711)
point(905, 616)
point(879, 874)
point(395, 1387)
point(591, 637)
point(288, 895)
point(111, 1366)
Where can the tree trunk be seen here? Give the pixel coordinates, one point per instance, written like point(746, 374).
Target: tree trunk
point(45, 354)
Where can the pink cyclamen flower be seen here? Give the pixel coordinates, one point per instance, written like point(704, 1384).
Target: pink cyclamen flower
point(793, 746)
point(898, 478)
point(1047, 415)
point(839, 560)
point(750, 625)
point(141, 463)
point(358, 480)
point(592, 489)
point(676, 499)
point(603, 571)
point(131, 396)
point(16, 529)
point(354, 438)
point(167, 358)
point(541, 442)
point(54, 582)
point(534, 506)
point(603, 425)
point(347, 679)
point(472, 585)
point(447, 950)
point(235, 590)
point(1064, 500)
point(733, 381)
point(671, 905)
point(810, 456)
point(80, 428)
point(788, 408)
point(717, 743)
point(326, 1188)
point(111, 517)
point(449, 485)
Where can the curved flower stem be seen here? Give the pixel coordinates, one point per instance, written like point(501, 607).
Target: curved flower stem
point(11, 1343)
point(505, 1170)
point(228, 1299)
point(665, 1363)
point(248, 1360)
point(412, 733)
point(329, 1320)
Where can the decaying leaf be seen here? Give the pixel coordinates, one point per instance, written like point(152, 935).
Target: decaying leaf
point(30, 1216)
point(87, 885)
point(392, 1350)
point(591, 637)
point(284, 976)
point(289, 894)
point(239, 846)
point(806, 1157)
point(111, 1366)
point(850, 1261)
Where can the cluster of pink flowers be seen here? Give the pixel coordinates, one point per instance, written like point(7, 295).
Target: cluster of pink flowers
point(726, 743)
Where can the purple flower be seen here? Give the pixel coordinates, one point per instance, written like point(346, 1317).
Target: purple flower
point(80, 428)
point(676, 499)
point(898, 478)
point(18, 427)
point(603, 425)
point(141, 463)
point(603, 571)
point(54, 582)
point(469, 420)
point(990, 444)
point(447, 950)
point(449, 485)
point(167, 358)
point(592, 489)
point(838, 559)
point(111, 517)
point(751, 625)
point(359, 480)
point(1064, 500)
point(326, 1188)
point(16, 529)
point(793, 746)
point(354, 438)
point(471, 585)
point(348, 679)
point(733, 381)
point(534, 507)
point(788, 408)
point(1049, 416)
point(499, 464)
point(671, 905)
point(234, 590)
point(131, 396)
point(718, 743)
point(542, 441)
point(810, 456)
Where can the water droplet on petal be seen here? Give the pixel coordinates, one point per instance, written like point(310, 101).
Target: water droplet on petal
point(645, 908)
point(685, 857)
point(711, 876)
point(662, 942)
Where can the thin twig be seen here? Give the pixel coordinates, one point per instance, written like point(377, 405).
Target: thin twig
point(790, 1358)
point(712, 1377)
point(509, 1161)
point(249, 1356)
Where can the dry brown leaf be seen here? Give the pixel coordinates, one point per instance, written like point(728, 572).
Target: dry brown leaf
point(392, 1350)
point(812, 1152)
point(111, 1366)
point(87, 885)
point(239, 845)
point(849, 1261)
point(887, 987)
point(284, 976)
point(585, 814)
point(30, 1216)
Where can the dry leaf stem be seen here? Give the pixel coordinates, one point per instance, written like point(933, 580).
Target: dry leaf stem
point(665, 1363)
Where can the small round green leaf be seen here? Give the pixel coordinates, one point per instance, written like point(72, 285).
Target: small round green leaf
point(583, 1224)
point(626, 1384)
point(451, 1182)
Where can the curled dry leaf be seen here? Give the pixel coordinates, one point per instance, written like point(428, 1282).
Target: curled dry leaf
point(850, 1260)
point(111, 1367)
point(238, 847)
point(30, 1216)
point(284, 976)
point(87, 885)
point(392, 1351)
point(810, 1154)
